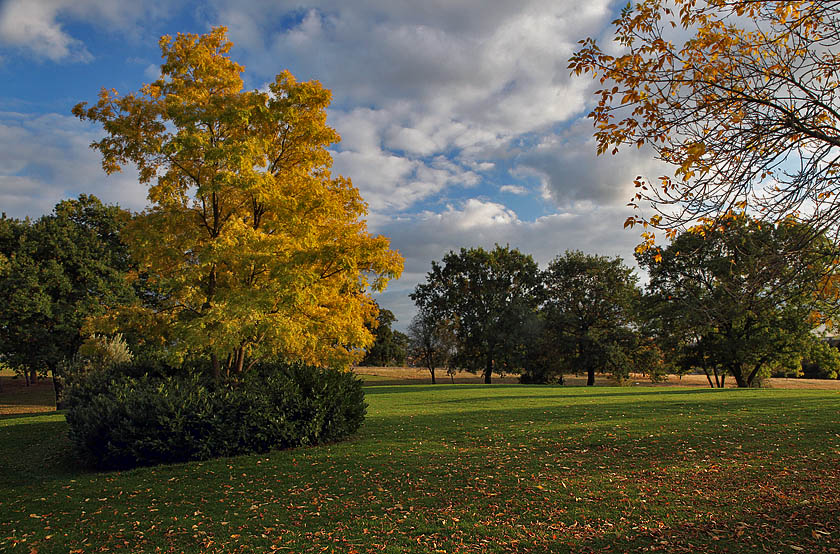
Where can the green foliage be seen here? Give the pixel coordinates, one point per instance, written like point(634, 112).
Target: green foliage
point(97, 352)
point(822, 361)
point(390, 347)
point(56, 272)
point(102, 352)
point(741, 298)
point(591, 318)
point(487, 297)
point(119, 421)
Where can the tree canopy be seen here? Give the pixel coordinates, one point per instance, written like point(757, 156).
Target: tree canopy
point(487, 297)
point(733, 299)
point(256, 249)
point(390, 347)
point(431, 342)
point(591, 309)
point(56, 272)
point(738, 95)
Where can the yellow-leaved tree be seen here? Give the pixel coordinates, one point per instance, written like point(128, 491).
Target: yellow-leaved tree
point(253, 247)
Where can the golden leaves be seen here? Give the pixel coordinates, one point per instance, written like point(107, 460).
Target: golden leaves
point(252, 242)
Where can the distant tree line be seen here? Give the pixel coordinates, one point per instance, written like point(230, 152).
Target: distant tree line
point(738, 298)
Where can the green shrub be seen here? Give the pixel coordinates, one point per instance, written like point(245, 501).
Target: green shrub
point(121, 420)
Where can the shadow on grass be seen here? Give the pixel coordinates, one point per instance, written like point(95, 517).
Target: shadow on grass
point(34, 451)
point(6, 418)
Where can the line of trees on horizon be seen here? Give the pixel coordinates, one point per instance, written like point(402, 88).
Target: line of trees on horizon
point(736, 298)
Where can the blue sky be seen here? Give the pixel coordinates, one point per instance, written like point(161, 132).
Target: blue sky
point(460, 123)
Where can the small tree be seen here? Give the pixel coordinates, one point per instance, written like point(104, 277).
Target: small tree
point(432, 342)
point(487, 297)
point(58, 271)
point(255, 248)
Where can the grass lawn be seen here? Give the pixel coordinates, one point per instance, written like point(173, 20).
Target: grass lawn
point(464, 468)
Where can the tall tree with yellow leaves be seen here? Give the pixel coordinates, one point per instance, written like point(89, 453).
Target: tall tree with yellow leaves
point(254, 247)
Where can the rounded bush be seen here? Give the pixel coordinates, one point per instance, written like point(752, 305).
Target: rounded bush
point(121, 420)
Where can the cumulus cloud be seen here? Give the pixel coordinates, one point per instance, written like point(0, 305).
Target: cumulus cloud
point(46, 158)
point(428, 236)
point(475, 214)
point(462, 80)
point(571, 173)
point(37, 26)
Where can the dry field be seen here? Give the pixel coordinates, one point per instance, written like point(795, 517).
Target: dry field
point(418, 376)
point(17, 398)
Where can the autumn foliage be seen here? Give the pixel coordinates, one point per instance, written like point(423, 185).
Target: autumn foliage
point(738, 96)
point(254, 248)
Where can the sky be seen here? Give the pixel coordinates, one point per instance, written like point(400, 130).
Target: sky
point(460, 122)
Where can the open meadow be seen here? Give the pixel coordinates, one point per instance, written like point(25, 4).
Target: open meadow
point(464, 468)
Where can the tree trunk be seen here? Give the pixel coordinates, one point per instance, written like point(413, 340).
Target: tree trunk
point(33, 376)
point(754, 374)
point(488, 370)
point(432, 371)
point(708, 376)
point(58, 387)
point(590, 377)
point(240, 360)
point(736, 372)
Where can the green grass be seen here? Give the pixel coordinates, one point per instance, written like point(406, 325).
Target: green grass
point(464, 469)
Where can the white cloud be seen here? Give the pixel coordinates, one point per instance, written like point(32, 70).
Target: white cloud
point(572, 173)
point(33, 26)
point(513, 189)
point(462, 79)
point(474, 214)
point(36, 26)
point(152, 72)
point(429, 236)
point(46, 158)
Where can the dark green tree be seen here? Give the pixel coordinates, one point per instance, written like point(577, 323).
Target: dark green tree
point(590, 310)
point(390, 347)
point(742, 297)
point(55, 273)
point(487, 297)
